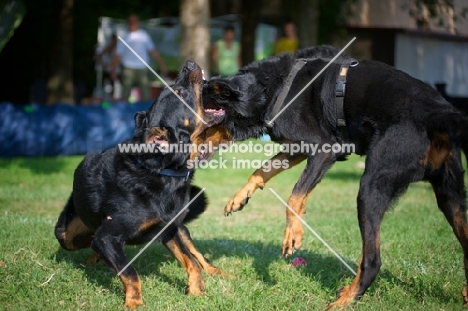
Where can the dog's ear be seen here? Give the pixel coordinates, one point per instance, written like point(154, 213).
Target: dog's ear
point(141, 122)
point(224, 89)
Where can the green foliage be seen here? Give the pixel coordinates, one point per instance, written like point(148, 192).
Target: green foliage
point(332, 17)
point(422, 261)
point(11, 16)
point(425, 11)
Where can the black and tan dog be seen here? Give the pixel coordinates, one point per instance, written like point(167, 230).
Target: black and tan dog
point(405, 128)
point(127, 198)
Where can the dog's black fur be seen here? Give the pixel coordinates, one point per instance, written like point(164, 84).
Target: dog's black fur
point(123, 198)
point(405, 127)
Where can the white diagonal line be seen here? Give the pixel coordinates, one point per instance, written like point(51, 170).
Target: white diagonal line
point(162, 230)
point(316, 76)
point(313, 231)
point(162, 80)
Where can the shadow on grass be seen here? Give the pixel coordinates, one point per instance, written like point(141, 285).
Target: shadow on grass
point(325, 269)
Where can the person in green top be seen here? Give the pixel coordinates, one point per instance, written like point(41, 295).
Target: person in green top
point(226, 54)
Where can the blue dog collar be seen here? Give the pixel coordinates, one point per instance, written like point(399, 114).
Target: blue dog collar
point(167, 171)
point(172, 173)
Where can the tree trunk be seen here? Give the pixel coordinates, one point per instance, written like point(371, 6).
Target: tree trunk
point(308, 22)
point(195, 42)
point(250, 18)
point(60, 82)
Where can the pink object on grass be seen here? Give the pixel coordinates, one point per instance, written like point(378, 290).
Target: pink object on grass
point(298, 262)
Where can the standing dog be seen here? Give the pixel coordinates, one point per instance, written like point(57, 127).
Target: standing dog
point(405, 128)
point(127, 198)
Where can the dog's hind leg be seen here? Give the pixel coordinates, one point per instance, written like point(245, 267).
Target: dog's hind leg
point(175, 244)
point(392, 164)
point(449, 188)
point(372, 203)
point(315, 169)
point(186, 239)
point(70, 231)
point(259, 178)
point(107, 243)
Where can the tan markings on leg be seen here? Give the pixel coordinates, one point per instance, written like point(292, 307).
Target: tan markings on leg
point(258, 180)
point(459, 225)
point(464, 293)
point(75, 228)
point(93, 259)
point(132, 288)
point(294, 232)
point(438, 151)
point(195, 284)
point(147, 224)
point(349, 293)
point(204, 263)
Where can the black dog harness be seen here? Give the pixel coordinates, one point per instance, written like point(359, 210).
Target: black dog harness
point(340, 88)
point(299, 63)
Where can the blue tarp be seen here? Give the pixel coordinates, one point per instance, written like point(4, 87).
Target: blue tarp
point(34, 130)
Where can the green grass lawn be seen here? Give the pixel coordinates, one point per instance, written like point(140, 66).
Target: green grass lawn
point(422, 266)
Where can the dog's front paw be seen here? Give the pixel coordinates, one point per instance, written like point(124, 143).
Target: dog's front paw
point(133, 302)
point(237, 203)
point(196, 288)
point(465, 294)
point(293, 235)
point(345, 295)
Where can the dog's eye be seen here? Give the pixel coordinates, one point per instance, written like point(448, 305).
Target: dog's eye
point(180, 93)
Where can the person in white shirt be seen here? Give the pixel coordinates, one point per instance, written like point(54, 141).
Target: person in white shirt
point(134, 71)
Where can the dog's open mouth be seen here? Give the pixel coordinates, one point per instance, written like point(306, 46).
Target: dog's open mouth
point(158, 137)
point(158, 140)
point(213, 113)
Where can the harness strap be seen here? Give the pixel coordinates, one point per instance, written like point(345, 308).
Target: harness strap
point(340, 89)
point(299, 63)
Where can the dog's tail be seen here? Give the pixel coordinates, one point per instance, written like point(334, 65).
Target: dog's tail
point(445, 129)
point(70, 231)
point(198, 206)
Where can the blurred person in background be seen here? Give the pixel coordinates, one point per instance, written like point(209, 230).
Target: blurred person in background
point(226, 54)
point(289, 42)
point(112, 86)
point(134, 71)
